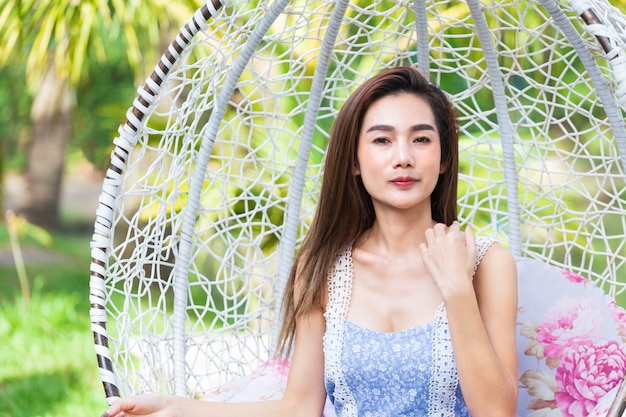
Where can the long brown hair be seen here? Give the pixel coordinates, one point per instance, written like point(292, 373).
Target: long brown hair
point(345, 210)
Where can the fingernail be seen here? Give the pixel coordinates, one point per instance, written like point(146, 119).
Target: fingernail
point(105, 414)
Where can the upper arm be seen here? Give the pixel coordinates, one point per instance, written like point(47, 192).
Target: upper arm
point(495, 284)
point(305, 385)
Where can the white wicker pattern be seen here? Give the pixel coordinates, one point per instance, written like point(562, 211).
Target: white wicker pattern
point(215, 173)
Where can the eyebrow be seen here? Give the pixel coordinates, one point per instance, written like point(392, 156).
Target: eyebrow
point(389, 128)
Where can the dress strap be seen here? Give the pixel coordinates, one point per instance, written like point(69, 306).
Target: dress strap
point(340, 285)
point(339, 289)
point(482, 244)
point(444, 377)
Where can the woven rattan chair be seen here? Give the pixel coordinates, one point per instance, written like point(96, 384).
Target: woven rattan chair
point(214, 175)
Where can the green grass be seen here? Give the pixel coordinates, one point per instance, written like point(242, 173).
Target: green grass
point(47, 360)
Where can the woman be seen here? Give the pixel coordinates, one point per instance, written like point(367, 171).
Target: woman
point(396, 310)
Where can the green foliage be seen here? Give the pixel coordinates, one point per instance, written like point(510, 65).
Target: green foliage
point(62, 29)
point(48, 362)
point(102, 100)
point(14, 117)
point(69, 31)
point(48, 367)
point(100, 45)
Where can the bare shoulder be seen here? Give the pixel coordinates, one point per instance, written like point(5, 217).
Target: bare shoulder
point(497, 253)
point(495, 285)
point(497, 268)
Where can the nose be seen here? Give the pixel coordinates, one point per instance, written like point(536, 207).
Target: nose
point(403, 157)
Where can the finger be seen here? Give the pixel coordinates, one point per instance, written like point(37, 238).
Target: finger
point(110, 413)
point(115, 410)
point(423, 250)
point(470, 241)
point(440, 229)
point(455, 229)
point(427, 259)
point(429, 234)
point(470, 238)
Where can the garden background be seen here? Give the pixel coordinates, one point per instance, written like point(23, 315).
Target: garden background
point(69, 70)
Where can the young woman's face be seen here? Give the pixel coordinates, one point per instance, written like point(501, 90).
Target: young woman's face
point(399, 152)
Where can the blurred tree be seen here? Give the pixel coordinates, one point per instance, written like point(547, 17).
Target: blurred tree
point(57, 40)
point(14, 124)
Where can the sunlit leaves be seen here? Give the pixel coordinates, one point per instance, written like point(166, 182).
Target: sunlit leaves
point(73, 31)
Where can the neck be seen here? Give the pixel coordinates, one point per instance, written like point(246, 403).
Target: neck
point(397, 232)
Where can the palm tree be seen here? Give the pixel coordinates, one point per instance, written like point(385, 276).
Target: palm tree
point(56, 40)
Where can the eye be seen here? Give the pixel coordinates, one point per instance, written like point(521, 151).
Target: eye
point(422, 139)
point(381, 139)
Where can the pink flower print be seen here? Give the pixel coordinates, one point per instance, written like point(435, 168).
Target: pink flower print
point(575, 278)
point(279, 367)
point(586, 374)
point(533, 348)
point(569, 323)
point(619, 315)
point(282, 366)
point(541, 387)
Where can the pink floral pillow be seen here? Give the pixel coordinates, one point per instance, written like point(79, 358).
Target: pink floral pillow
point(571, 343)
point(266, 383)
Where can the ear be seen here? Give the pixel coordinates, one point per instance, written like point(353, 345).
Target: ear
point(356, 171)
point(442, 168)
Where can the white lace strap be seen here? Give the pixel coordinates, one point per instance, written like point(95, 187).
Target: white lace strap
point(340, 285)
point(444, 377)
point(339, 290)
point(482, 244)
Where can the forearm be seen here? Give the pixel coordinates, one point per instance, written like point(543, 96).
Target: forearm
point(488, 387)
point(275, 408)
point(161, 405)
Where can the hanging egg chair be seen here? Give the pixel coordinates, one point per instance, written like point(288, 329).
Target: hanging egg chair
point(215, 173)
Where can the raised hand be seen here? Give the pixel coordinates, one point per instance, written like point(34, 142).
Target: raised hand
point(449, 255)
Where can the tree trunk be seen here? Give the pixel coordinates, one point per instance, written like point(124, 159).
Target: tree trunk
point(52, 125)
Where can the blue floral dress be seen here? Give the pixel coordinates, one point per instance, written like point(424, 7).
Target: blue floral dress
point(407, 373)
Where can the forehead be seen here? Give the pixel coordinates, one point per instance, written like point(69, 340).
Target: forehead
point(399, 110)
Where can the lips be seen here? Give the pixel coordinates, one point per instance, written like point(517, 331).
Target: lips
point(403, 181)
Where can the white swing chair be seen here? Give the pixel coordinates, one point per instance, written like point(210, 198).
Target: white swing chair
point(215, 173)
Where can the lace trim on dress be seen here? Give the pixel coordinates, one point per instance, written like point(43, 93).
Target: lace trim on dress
point(339, 289)
point(444, 377)
point(482, 244)
point(340, 285)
